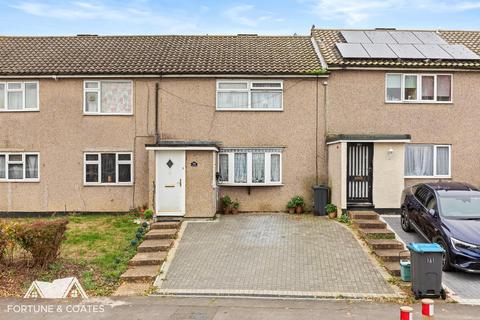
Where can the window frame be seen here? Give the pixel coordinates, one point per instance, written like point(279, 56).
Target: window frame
point(268, 152)
point(22, 89)
point(98, 162)
point(23, 162)
point(435, 175)
point(99, 91)
point(249, 90)
point(419, 88)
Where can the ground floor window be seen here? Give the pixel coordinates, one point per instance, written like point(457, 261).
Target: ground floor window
point(255, 166)
point(108, 168)
point(427, 160)
point(19, 166)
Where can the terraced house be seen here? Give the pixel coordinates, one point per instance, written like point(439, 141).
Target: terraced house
point(109, 123)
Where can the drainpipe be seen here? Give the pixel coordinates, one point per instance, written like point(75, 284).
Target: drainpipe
point(325, 122)
point(316, 132)
point(157, 132)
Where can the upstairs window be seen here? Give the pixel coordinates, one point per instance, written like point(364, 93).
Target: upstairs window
point(427, 160)
point(419, 88)
point(250, 95)
point(109, 97)
point(255, 166)
point(108, 168)
point(19, 167)
point(19, 96)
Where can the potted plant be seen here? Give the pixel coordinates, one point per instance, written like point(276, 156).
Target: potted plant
point(331, 210)
point(291, 207)
point(227, 204)
point(299, 202)
point(235, 206)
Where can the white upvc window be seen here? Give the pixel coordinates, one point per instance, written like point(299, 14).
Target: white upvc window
point(19, 167)
point(108, 168)
point(19, 96)
point(418, 88)
point(428, 161)
point(250, 95)
point(108, 97)
point(250, 167)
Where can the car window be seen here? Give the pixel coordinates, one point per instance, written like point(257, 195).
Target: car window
point(422, 194)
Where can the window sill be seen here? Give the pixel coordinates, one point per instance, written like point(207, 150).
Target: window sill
point(250, 184)
point(20, 181)
point(249, 110)
point(30, 110)
point(427, 177)
point(108, 114)
point(108, 184)
point(420, 102)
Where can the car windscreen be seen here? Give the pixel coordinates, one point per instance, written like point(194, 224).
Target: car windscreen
point(460, 204)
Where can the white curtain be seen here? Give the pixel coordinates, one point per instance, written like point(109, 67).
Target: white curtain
point(91, 99)
point(275, 168)
point(223, 167)
point(394, 87)
point(443, 161)
point(31, 96)
point(15, 171)
point(2, 96)
point(266, 100)
point(443, 88)
point(411, 87)
point(31, 170)
point(232, 100)
point(116, 97)
point(240, 163)
point(2, 167)
point(418, 160)
point(428, 87)
point(258, 167)
point(15, 100)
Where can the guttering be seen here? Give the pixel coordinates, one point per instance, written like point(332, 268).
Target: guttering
point(163, 76)
point(371, 140)
point(424, 69)
point(182, 148)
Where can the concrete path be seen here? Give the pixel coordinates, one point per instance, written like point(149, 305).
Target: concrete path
point(465, 286)
point(272, 255)
point(168, 308)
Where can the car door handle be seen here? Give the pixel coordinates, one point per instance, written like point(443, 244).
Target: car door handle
point(180, 182)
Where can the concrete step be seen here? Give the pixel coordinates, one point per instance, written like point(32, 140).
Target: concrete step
point(384, 244)
point(155, 245)
point(363, 215)
point(148, 259)
point(393, 268)
point(132, 289)
point(377, 233)
point(369, 224)
point(392, 255)
point(161, 234)
point(165, 225)
point(140, 273)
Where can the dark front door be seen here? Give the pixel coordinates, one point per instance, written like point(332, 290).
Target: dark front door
point(359, 173)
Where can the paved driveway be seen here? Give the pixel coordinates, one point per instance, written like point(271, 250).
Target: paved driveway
point(466, 286)
point(271, 255)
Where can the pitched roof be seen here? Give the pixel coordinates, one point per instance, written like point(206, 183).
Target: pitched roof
point(327, 38)
point(83, 55)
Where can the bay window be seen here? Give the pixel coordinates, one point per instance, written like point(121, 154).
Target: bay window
point(108, 168)
point(255, 166)
point(252, 95)
point(427, 160)
point(105, 97)
point(419, 88)
point(19, 96)
point(21, 167)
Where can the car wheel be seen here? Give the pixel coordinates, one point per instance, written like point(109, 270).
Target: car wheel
point(404, 221)
point(446, 265)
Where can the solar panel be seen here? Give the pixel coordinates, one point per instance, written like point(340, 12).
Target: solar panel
point(406, 51)
point(352, 50)
point(355, 37)
point(379, 50)
point(460, 52)
point(380, 37)
point(428, 37)
point(405, 37)
point(433, 51)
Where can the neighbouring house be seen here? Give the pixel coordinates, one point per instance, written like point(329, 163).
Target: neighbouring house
point(402, 108)
point(58, 289)
point(109, 123)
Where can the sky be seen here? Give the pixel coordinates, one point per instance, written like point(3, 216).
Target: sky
point(108, 17)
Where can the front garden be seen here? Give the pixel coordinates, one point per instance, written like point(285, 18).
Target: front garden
point(94, 248)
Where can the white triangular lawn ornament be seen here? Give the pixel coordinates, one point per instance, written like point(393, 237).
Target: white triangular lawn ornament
point(58, 289)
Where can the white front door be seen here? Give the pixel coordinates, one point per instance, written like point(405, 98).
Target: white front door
point(170, 183)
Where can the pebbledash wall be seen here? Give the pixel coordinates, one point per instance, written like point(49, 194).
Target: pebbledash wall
point(356, 105)
point(61, 133)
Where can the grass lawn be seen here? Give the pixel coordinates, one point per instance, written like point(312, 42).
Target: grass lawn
point(96, 250)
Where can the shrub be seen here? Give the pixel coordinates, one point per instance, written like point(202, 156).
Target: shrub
point(330, 208)
point(3, 241)
point(148, 214)
point(42, 240)
point(298, 201)
point(226, 200)
point(290, 204)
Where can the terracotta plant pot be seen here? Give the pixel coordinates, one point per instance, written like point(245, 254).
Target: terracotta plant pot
point(291, 210)
point(298, 209)
point(332, 215)
point(234, 210)
point(227, 210)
